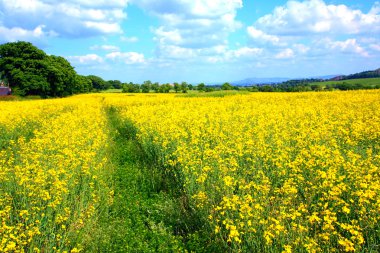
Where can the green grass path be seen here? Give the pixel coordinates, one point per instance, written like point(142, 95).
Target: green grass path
point(136, 220)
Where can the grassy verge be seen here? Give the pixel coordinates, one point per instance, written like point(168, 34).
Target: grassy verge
point(144, 216)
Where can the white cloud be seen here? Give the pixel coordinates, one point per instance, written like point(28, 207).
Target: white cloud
point(244, 52)
point(176, 52)
point(301, 48)
point(190, 8)
point(347, 46)
point(105, 47)
point(17, 33)
point(127, 57)
point(287, 53)
point(132, 39)
point(375, 10)
point(88, 59)
point(69, 18)
point(188, 27)
point(375, 47)
point(262, 37)
point(315, 17)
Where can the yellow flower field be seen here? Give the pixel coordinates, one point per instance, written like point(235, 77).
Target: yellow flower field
point(50, 179)
point(273, 172)
point(267, 172)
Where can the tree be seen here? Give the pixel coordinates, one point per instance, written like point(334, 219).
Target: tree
point(184, 87)
point(98, 83)
point(201, 87)
point(22, 64)
point(131, 88)
point(145, 87)
point(227, 86)
point(116, 84)
point(155, 87)
point(30, 71)
point(82, 84)
point(177, 87)
point(61, 77)
point(165, 88)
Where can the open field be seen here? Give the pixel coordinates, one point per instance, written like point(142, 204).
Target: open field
point(255, 172)
point(370, 82)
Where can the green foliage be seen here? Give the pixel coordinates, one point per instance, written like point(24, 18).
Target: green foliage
point(146, 86)
point(201, 87)
point(30, 71)
point(227, 86)
point(155, 87)
point(177, 87)
point(116, 84)
point(131, 88)
point(165, 88)
point(98, 83)
point(184, 87)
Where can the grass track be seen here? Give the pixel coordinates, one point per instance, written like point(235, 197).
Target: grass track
point(135, 219)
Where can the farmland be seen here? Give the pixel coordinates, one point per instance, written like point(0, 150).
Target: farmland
point(257, 172)
point(365, 82)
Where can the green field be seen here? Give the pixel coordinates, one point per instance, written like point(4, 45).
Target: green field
point(364, 81)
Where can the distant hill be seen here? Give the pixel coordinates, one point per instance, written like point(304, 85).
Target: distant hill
point(360, 75)
point(256, 81)
point(365, 74)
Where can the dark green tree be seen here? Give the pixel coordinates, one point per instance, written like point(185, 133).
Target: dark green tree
point(201, 87)
point(116, 84)
point(155, 87)
point(227, 86)
point(30, 71)
point(146, 86)
point(177, 87)
point(184, 87)
point(98, 83)
point(131, 88)
point(165, 88)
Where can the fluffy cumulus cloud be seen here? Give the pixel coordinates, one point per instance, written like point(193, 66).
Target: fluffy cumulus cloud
point(127, 57)
point(315, 17)
point(88, 59)
point(293, 30)
point(17, 33)
point(105, 47)
point(190, 27)
point(62, 18)
point(287, 53)
point(347, 46)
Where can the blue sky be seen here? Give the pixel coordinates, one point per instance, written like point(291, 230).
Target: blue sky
point(200, 40)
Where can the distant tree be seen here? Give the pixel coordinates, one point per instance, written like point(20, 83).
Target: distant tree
point(177, 87)
point(191, 87)
point(209, 89)
point(146, 86)
point(227, 86)
point(184, 87)
point(155, 87)
point(266, 88)
point(316, 87)
point(98, 83)
point(201, 87)
point(116, 84)
point(82, 84)
point(130, 88)
point(165, 88)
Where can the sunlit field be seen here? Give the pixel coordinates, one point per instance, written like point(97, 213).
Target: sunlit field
point(261, 172)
